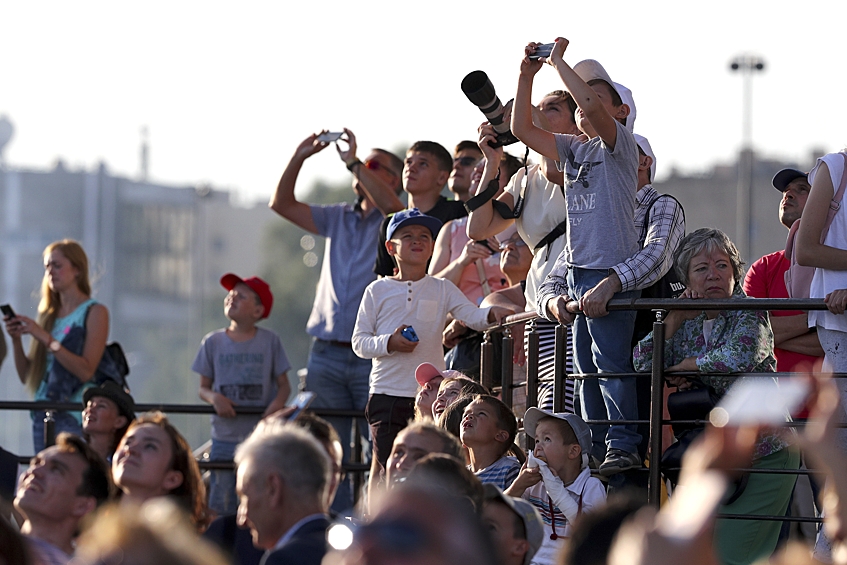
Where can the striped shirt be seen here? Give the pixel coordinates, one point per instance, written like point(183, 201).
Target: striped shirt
point(501, 473)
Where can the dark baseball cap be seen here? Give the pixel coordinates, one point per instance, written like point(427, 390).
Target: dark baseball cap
point(783, 178)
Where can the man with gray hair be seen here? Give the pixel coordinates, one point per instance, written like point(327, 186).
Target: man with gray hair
point(282, 477)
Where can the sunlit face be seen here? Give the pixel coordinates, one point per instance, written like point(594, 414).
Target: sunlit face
point(558, 115)
point(243, 303)
point(60, 272)
point(50, 484)
point(411, 244)
point(143, 461)
point(380, 165)
point(254, 510)
point(515, 257)
point(447, 395)
point(710, 274)
point(421, 174)
point(409, 447)
point(101, 415)
point(426, 396)
point(793, 201)
point(605, 98)
point(550, 445)
point(463, 166)
point(479, 424)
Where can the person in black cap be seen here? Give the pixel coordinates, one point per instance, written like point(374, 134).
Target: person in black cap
point(108, 412)
point(795, 344)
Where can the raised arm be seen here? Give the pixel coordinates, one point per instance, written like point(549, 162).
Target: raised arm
point(537, 139)
point(810, 251)
point(586, 98)
point(283, 202)
point(383, 195)
point(484, 222)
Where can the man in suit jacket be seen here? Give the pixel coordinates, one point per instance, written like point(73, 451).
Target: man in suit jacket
point(282, 477)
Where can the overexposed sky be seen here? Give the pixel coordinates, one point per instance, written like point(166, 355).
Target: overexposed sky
point(228, 90)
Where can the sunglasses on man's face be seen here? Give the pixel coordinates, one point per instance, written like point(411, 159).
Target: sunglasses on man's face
point(375, 165)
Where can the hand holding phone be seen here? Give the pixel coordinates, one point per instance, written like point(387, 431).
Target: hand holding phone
point(330, 136)
point(543, 51)
point(7, 311)
point(409, 333)
point(300, 403)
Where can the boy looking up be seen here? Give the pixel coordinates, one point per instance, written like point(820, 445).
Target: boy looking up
point(488, 430)
point(394, 303)
point(601, 178)
point(556, 478)
point(241, 365)
point(514, 524)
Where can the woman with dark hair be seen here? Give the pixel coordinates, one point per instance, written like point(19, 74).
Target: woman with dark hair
point(153, 459)
point(68, 338)
point(712, 342)
point(108, 411)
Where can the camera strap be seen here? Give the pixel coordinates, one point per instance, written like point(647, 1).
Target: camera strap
point(480, 199)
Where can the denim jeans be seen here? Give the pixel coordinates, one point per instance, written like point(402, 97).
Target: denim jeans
point(341, 380)
point(602, 345)
point(222, 497)
point(64, 423)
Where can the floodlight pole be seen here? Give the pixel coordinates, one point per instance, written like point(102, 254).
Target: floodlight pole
point(747, 65)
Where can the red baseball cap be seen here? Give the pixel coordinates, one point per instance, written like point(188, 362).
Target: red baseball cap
point(260, 287)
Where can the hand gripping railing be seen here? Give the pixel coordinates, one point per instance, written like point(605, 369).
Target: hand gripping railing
point(660, 306)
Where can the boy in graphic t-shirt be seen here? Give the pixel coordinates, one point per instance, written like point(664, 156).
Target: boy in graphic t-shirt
point(240, 365)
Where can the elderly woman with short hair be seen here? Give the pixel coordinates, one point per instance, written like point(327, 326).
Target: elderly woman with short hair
point(727, 341)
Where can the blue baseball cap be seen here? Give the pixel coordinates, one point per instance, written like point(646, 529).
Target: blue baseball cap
point(412, 217)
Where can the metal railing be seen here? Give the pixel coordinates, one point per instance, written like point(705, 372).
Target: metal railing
point(660, 307)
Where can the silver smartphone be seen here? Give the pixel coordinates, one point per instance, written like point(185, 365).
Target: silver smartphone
point(543, 51)
point(330, 136)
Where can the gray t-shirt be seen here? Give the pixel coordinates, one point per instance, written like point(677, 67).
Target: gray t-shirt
point(600, 187)
point(245, 372)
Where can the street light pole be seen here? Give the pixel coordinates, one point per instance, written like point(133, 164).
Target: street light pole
point(747, 65)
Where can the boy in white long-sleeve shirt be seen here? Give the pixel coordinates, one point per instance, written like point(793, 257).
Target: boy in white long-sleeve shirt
point(556, 478)
point(390, 305)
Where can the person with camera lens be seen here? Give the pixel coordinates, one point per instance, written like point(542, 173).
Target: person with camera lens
point(532, 201)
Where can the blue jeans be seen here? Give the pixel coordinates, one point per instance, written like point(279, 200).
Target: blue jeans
point(222, 497)
point(602, 345)
point(64, 423)
point(341, 380)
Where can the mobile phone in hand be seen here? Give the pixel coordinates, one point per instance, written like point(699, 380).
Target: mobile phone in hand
point(409, 333)
point(7, 311)
point(300, 403)
point(330, 136)
point(543, 51)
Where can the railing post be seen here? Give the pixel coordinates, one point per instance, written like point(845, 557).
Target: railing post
point(531, 374)
point(486, 361)
point(49, 429)
point(507, 368)
point(358, 478)
point(657, 383)
point(559, 368)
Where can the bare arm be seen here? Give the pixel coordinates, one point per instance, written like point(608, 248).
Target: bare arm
point(224, 407)
point(283, 391)
point(810, 251)
point(806, 344)
point(512, 298)
point(283, 202)
point(541, 141)
point(383, 195)
point(484, 222)
point(82, 366)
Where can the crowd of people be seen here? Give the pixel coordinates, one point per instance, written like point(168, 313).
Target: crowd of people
point(403, 293)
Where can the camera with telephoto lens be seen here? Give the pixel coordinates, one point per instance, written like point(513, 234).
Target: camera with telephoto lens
point(479, 90)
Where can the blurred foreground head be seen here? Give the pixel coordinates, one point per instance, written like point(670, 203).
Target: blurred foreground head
point(414, 524)
point(158, 531)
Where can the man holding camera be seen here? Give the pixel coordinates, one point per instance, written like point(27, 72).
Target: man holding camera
point(335, 373)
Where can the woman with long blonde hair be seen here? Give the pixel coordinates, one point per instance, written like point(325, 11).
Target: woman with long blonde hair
point(68, 337)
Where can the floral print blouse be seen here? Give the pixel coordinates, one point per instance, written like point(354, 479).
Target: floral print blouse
point(741, 341)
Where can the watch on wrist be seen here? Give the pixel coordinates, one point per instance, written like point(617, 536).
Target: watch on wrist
point(55, 345)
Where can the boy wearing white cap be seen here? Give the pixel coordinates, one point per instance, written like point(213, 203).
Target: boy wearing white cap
point(601, 179)
point(556, 478)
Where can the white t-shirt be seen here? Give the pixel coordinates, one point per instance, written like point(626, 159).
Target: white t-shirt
point(825, 280)
point(543, 209)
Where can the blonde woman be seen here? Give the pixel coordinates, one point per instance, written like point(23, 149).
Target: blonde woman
point(68, 338)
